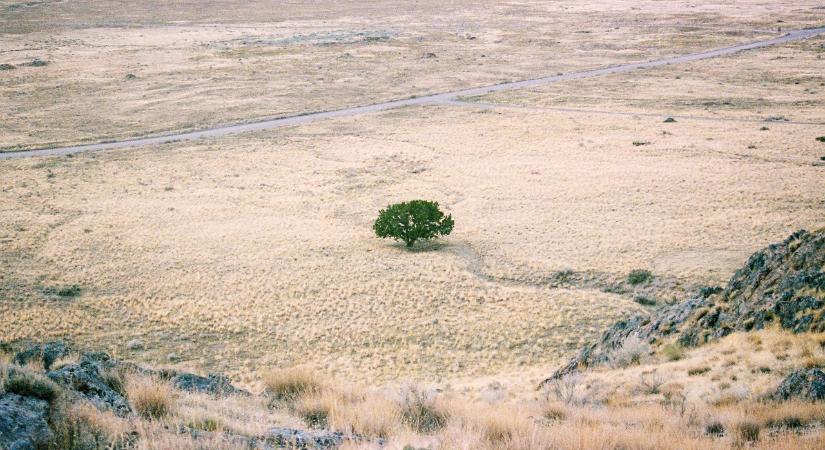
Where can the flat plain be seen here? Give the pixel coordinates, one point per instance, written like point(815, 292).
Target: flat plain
point(243, 253)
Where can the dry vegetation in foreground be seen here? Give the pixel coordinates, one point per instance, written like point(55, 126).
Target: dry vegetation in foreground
point(655, 404)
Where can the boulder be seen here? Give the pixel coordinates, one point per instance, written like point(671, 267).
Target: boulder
point(211, 384)
point(805, 384)
point(23, 422)
point(89, 380)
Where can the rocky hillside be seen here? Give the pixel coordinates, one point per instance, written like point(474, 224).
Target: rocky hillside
point(782, 285)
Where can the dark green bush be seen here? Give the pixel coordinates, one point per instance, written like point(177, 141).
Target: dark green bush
point(413, 221)
point(639, 276)
point(821, 139)
point(670, 120)
point(644, 301)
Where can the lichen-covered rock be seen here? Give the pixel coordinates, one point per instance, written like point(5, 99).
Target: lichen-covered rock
point(89, 379)
point(806, 384)
point(783, 284)
point(47, 353)
point(214, 384)
point(23, 422)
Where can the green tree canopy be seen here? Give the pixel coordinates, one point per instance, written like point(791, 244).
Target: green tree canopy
point(416, 220)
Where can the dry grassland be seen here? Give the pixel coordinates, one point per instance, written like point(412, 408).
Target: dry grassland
point(256, 250)
point(778, 85)
point(124, 69)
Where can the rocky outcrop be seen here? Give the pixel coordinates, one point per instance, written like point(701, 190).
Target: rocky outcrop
point(782, 284)
point(94, 383)
point(805, 384)
point(23, 422)
point(214, 384)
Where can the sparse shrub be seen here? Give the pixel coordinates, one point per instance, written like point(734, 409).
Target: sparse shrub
point(748, 431)
point(32, 385)
point(633, 351)
point(314, 411)
point(644, 301)
point(650, 384)
point(563, 276)
point(715, 429)
point(640, 143)
point(152, 399)
point(68, 291)
point(288, 385)
point(420, 412)
point(670, 120)
point(413, 221)
point(205, 424)
point(639, 276)
point(695, 371)
point(555, 413)
point(564, 389)
point(673, 352)
point(789, 422)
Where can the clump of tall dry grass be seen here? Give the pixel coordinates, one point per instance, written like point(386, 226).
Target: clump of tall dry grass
point(288, 385)
point(151, 398)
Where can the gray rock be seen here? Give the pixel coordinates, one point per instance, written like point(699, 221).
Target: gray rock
point(47, 353)
point(87, 379)
point(212, 384)
point(23, 422)
point(805, 384)
point(135, 344)
point(298, 439)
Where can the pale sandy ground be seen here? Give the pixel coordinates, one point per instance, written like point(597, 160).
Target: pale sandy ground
point(256, 251)
point(198, 64)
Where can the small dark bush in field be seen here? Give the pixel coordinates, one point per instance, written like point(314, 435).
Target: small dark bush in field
point(789, 422)
point(645, 301)
point(698, 371)
point(670, 120)
point(764, 129)
point(715, 429)
point(639, 276)
point(640, 143)
point(748, 431)
point(6, 67)
point(31, 385)
point(821, 139)
point(69, 291)
point(416, 220)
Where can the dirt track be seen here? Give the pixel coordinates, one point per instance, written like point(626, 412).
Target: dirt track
point(435, 98)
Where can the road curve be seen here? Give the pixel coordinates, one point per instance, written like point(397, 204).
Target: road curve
point(300, 119)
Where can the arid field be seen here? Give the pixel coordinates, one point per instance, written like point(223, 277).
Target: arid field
point(255, 252)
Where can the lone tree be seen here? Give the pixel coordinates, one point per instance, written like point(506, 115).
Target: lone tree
point(416, 220)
